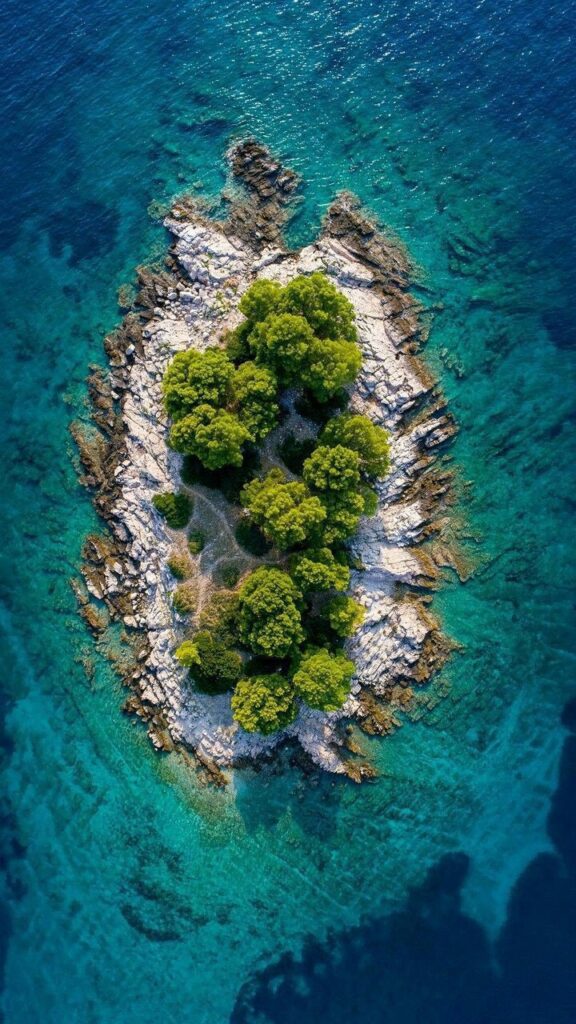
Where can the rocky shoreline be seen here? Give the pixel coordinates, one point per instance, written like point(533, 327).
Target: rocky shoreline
point(191, 302)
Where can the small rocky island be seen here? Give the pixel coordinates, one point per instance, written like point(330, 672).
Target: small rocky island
point(266, 449)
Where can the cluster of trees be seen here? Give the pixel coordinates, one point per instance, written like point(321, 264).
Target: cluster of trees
point(278, 637)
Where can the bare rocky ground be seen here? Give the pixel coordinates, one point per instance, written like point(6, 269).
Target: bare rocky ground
point(126, 461)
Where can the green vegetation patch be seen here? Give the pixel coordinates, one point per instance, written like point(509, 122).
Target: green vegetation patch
point(276, 637)
point(176, 509)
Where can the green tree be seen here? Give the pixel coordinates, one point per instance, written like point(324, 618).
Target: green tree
point(345, 615)
point(362, 436)
point(214, 436)
point(254, 390)
point(343, 512)
point(196, 378)
point(323, 679)
point(330, 366)
point(285, 510)
point(270, 620)
point(282, 342)
point(187, 654)
point(176, 509)
point(217, 668)
point(261, 299)
point(333, 470)
point(264, 704)
point(319, 570)
point(326, 309)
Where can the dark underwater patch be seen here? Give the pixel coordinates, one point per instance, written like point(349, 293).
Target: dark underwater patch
point(430, 962)
point(561, 328)
point(90, 229)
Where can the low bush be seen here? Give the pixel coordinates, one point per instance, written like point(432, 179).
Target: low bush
point(220, 617)
point(196, 542)
point(185, 598)
point(179, 565)
point(218, 667)
point(228, 576)
point(176, 509)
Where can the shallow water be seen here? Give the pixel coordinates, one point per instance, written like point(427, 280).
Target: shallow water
point(131, 893)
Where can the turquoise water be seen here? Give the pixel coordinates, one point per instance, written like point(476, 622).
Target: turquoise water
point(132, 894)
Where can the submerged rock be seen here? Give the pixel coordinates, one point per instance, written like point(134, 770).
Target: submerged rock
point(192, 303)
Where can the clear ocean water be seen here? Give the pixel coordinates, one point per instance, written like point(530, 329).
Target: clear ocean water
point(445, 892)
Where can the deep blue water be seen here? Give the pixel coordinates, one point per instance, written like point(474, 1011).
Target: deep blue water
point(444, 892)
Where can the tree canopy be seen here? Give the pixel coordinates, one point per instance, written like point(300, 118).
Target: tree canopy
point(329, 313)
point(362, 436)
point(261, 299)
point(285, 510)
point(254, 390)
point(335, 470)
point(345, 615)
point(329, 367)
point(270, 619)
point(214, 436)
point(196, 378)
point(283, 342)
point(318, 569)
point(264, 704)
point(323, 679)
point(216, 668)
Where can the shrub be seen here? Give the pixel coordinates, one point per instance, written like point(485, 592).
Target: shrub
point(179, 565)
point(345, 615)
point(362, 436)
point(196, 542)
point(187, 654)
point(323, 679)
point(293, 452)
point(264, 704)
point(218, 667)
point(229, 576)
point(251, 538)
point(285, 510)
point(185, 597)
point(176, 509)
point(196, 378)
point(220, 617)
point(214, 436)
point(327, 310)
point(270, 621)
point(319, 570)
point(336, 470)
point(254, 391)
